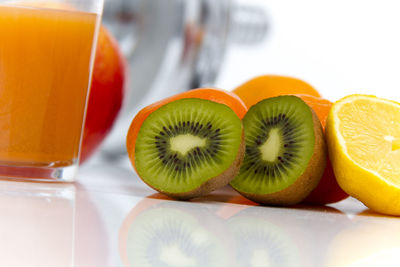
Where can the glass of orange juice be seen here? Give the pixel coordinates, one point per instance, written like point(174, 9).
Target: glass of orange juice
point(46, 56)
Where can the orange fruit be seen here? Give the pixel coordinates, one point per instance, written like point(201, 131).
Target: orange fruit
point(320, 105)
point(328, 190)
point(267, 86)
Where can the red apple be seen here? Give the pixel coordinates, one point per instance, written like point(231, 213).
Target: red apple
point(106, 93)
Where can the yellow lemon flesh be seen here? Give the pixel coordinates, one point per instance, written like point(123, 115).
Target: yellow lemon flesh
point(363, 136)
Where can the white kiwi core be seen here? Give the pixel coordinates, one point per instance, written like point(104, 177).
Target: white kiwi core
point(271, 148)
point(183, 143)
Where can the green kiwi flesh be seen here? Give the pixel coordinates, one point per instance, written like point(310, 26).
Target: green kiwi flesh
point(189, 147)
point(285, 152)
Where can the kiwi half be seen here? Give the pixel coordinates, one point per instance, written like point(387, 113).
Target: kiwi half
point(189, 147)
point(285, 152)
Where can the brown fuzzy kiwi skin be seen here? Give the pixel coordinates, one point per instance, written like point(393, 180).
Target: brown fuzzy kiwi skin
point(215, 182)
point(310, 178)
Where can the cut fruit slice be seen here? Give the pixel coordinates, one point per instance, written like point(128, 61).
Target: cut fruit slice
point(285, 152)
point(363, 133)
point(216, 95)
point(189, 147)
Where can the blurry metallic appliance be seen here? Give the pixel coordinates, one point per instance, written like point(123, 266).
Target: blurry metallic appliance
point(172, 46)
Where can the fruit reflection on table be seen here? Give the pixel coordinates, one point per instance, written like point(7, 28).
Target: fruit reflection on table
point(160, 231)
point(370, 240)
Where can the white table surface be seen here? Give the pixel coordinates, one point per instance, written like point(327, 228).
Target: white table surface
point(110, 218)
point(101, 220)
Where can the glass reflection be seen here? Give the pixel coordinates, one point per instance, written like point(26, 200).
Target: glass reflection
point(37, 225)
point(91, 236)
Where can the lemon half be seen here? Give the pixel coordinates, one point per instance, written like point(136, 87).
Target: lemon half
point(363, 136)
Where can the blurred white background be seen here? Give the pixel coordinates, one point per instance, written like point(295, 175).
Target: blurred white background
point(340, 47)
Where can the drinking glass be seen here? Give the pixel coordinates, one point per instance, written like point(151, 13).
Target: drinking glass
point(46, 56)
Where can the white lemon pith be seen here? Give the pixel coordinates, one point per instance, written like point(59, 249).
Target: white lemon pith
point(363, 135)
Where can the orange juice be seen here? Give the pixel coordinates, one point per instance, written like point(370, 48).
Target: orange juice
point(45, 65)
